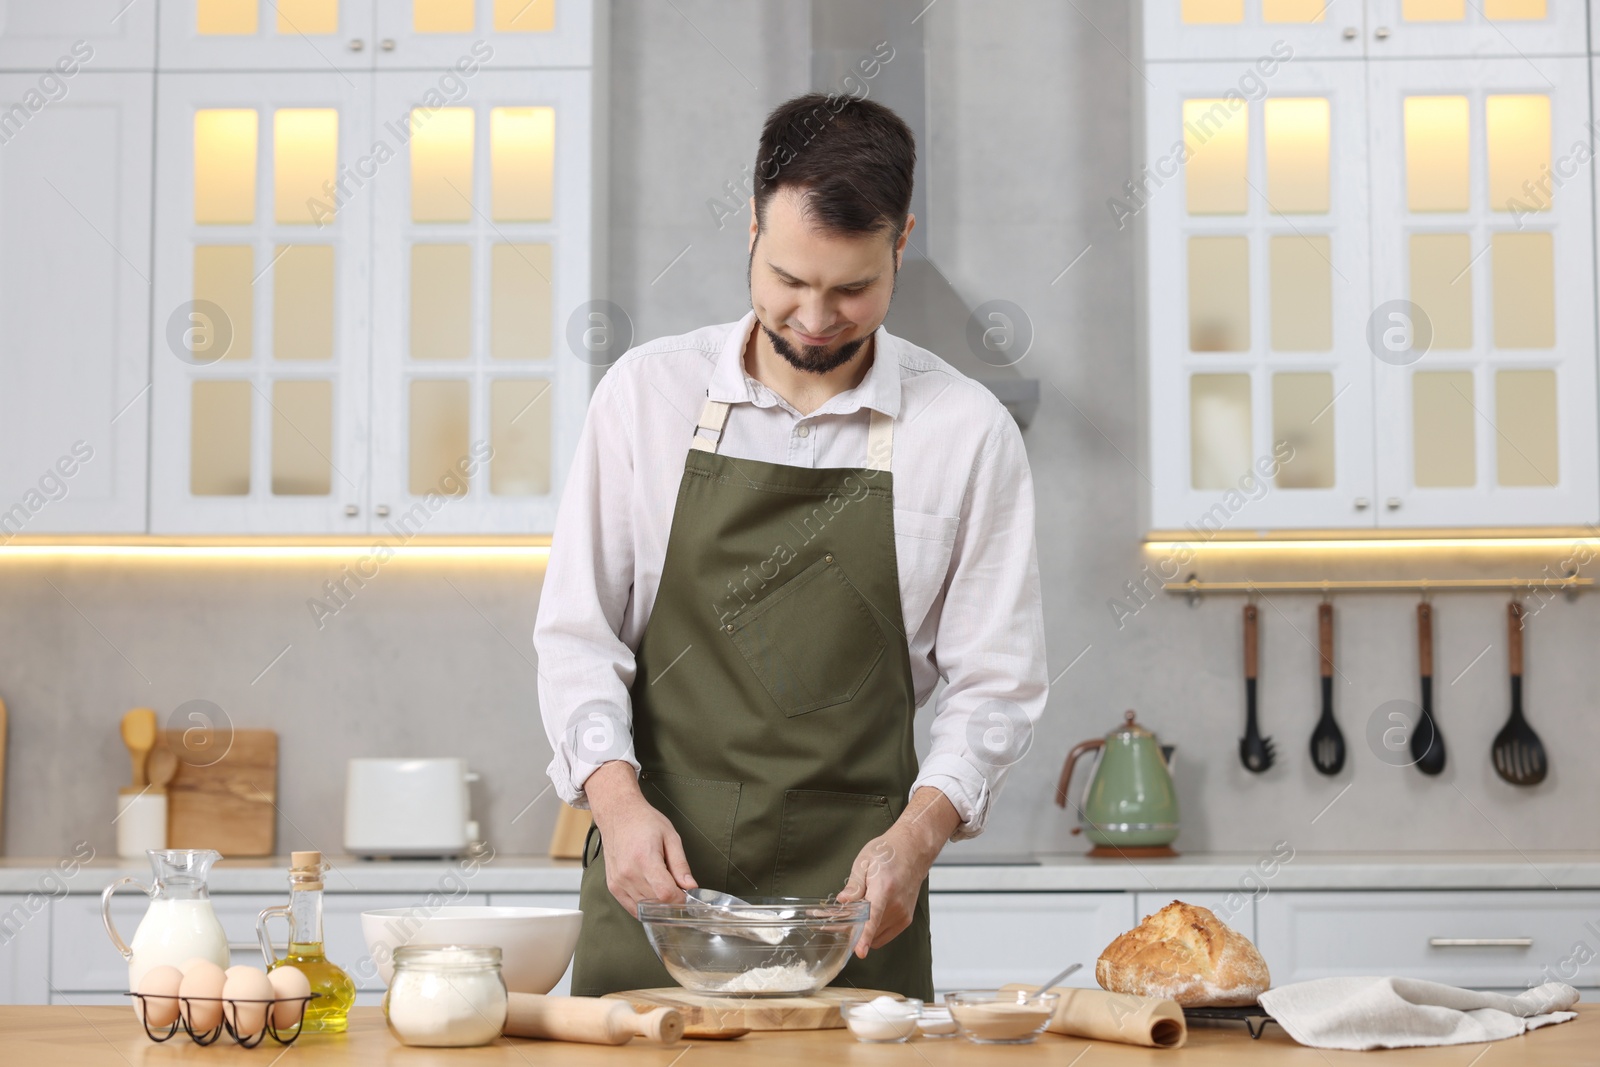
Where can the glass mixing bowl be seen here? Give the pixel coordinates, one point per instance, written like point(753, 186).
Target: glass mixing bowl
point(768, 947)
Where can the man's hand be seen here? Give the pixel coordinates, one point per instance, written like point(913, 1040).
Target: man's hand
point(644, 854)
point(888, 872)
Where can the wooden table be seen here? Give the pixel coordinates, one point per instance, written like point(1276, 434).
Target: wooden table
point(61, 1036)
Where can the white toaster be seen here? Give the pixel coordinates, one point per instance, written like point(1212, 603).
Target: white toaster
point(408, 807)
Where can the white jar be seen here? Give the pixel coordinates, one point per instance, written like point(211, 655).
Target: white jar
point(446, 996)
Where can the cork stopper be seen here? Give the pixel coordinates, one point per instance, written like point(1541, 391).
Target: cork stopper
point(305, 870)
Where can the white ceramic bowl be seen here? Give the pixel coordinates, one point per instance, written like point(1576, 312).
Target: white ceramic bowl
point(536, 944)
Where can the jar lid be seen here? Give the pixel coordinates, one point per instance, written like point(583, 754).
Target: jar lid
point(447, 957)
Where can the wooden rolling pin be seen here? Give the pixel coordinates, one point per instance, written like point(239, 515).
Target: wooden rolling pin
point(588, 1019)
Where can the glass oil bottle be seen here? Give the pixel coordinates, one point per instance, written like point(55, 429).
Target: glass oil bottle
point(329, 1012)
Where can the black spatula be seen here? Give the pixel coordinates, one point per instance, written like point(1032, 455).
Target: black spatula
point(1327, 742)
point(1518, 753)
point(1255, 751)
point(1427, 743)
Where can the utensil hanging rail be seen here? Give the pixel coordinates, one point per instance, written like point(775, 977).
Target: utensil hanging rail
point(1194, 587)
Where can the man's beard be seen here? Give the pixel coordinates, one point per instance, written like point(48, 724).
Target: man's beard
point(815, 359)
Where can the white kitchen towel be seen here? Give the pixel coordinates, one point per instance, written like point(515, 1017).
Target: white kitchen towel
point(1368, 1013)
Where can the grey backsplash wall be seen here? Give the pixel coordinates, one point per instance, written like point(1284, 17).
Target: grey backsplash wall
point(1030, 134)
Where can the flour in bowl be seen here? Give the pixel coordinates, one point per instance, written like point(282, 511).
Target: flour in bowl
point(788, 978)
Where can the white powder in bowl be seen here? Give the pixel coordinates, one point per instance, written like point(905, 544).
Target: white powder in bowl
point(788, 978)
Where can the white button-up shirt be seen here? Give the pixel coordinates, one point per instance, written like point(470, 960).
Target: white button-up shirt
point(964, 537)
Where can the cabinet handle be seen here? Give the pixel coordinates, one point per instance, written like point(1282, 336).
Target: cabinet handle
point(388, 44)
point(1381, 33)
point(357, 44)
point(1393, 503)
point(382, 511)
point(351, 510)
point(1480, 942)
point(1349, 33)
point(1362, 503)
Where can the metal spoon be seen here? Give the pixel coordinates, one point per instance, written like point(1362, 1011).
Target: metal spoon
point(1255, 751)
point(1057, 980)
point(1427, 743)
point(727, 902)
point(1327, 742)
point(1518, 753)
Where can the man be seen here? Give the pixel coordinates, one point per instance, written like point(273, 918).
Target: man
point(777, 535)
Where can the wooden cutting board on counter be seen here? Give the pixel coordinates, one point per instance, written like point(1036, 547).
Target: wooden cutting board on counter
point(702, 1012)
point(229, 804)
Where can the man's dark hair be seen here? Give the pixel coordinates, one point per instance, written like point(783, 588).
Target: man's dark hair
point(854, 159)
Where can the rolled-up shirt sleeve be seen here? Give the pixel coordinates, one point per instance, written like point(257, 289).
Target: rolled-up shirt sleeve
point(989, 641)
point(585, 668)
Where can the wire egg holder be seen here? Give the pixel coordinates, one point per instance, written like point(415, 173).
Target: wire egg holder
point(207, 1037)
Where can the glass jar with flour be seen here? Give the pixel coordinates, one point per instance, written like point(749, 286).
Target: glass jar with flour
point(446, 996)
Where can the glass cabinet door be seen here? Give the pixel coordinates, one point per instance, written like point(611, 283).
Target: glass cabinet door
point(97, 34)
point(1254, 211)
point(1251, 29)
point(497, 33)
point(260, 346)
point(1517, 28)
point(231, 35)
point(1483, 239)
point(484, 257)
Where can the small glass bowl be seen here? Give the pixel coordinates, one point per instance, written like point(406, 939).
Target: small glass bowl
point(1000, 1016)
point(874, 1025)
point(936, 1023)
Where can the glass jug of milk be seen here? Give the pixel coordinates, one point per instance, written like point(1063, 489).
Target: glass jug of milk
point(180, 923)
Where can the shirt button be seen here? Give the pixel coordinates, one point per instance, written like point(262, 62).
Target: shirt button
point(803, 431)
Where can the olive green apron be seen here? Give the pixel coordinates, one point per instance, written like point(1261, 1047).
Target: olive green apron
point(773, 704)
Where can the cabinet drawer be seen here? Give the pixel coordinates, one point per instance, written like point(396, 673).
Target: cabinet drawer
point(1475, 939)
point(82, 958)
point(982, 940)
point(541, 900)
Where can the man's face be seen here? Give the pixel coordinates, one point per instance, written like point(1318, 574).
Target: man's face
point(818, 296)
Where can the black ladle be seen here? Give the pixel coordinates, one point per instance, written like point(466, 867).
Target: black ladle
point(1327, 742)
point(1427, 743)
point(1255, 751)
point(1518, 753)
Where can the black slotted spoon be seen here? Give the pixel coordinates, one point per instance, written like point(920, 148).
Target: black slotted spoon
point(1427, 743)
point(1518, 753)
point(1254, 750)
point(1327, 742)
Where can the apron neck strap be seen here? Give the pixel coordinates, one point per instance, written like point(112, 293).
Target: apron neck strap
point(880, 434)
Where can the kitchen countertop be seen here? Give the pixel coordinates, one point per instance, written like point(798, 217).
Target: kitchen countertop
point(90, 1037)
point(1217, 871)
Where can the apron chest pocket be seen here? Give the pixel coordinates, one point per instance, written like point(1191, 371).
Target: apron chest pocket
point(813, 642)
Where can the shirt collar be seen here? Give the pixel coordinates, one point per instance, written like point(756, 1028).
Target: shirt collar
point(879, 390)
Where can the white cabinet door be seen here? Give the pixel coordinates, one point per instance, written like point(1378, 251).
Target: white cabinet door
point(1484, 276)
point(984, 940)
point(99, 34)
point(74, 305)
point(482, 260)
point(503, 34)
point(541, 900)
point(1254, 213)
point(232, 35)
point(24, 949)
point(1251, 29)
point(260, 339)
point(1498, 940)
point(1525, 29)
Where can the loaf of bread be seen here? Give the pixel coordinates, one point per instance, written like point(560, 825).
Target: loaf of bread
point(1186, 954)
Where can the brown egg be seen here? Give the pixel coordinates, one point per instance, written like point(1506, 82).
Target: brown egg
point(244, 985)
point(202, 980)
point(288, 981)
point(159, 1004)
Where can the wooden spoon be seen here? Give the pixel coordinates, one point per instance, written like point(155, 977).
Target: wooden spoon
point(161, 767)
point(139, 734)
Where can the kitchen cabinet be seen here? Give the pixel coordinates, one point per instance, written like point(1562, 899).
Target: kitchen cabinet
point(24, 949)
point(308, 35)
point(1488, 940)
point(1352, 29)
point(74, 299)
point(104, 34)
point(568, 901)
point(521, 33)
point(1367, 302)
point(984, 940)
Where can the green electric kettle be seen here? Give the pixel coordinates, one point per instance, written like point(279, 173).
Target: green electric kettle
point(1130, 807)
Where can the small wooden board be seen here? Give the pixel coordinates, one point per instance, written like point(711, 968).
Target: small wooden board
point(701, 1011)
point(229, 804)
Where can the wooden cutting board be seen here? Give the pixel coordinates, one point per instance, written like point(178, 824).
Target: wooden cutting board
point(230, 804)
point(699, 1011)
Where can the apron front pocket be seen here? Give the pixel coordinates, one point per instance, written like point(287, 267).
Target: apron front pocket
point(702, 810)
point(811, 643)
point(821, 835)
